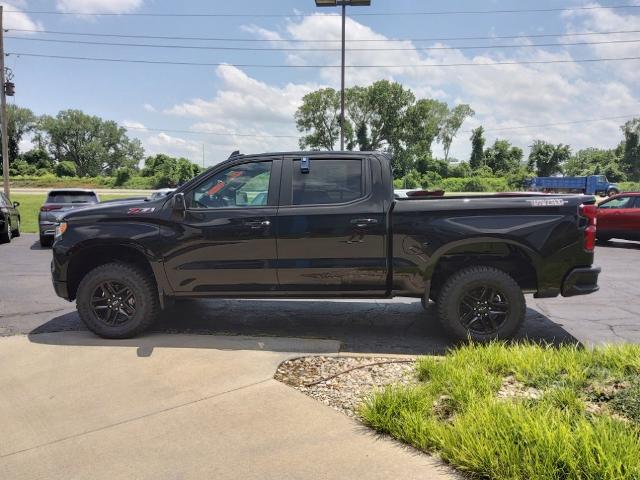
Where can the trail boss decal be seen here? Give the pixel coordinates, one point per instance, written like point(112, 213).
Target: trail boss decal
point(547, 202)
point(139, 211)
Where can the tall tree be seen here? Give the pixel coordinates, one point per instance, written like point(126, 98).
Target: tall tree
point(631, 158)
point(503, 158)
point(584, 162)
point(319, 118)
point(477, 148)
point(96, 146)
point(20, 121)
point(389, 103)
point(547, 159)
point(452, 124)
point(423, 123)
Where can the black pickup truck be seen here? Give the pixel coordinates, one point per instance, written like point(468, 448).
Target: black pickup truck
point(323, 225)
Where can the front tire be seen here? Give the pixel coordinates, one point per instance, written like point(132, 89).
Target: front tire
point(481, 304)
point(612, 191)
point(16, 232)
point(117, 300)
point(45, 241)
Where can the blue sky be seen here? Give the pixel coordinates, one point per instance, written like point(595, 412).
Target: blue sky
point(261, 102)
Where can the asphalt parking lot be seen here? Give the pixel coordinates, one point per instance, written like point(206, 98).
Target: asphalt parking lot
point(28, 305)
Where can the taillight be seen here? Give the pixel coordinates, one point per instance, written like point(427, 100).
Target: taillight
point(590, 212)
point(49, 208)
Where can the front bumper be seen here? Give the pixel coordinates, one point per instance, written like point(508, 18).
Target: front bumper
point(47, 228)
point(581, 281)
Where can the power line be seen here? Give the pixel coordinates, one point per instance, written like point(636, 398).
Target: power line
point(257, 65)
point(557, 124)
point(383, 40)
point(270, 49)
point(365, 14)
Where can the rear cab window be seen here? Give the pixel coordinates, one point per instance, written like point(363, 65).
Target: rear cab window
point(72, 197)
point(327, 181)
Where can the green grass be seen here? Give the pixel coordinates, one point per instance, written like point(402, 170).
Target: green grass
point(456, 411)
point(30, 206)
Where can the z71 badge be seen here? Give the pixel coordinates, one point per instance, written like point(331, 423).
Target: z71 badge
point(139, 211)
point(547, 202)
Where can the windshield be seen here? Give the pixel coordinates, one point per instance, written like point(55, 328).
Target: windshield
point(72, 197)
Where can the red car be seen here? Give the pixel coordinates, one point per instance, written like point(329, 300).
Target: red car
point(619, 217)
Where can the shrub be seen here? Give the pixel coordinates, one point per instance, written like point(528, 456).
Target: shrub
point(66, 169)
point(123, 175)
point(630, 186)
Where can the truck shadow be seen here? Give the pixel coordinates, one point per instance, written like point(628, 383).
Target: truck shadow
point(369, 327)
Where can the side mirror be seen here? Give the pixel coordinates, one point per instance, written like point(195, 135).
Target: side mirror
point(16, 204)
point(179, 203)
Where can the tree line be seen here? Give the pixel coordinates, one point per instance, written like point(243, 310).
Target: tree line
point(75, 144)
point(387, 116)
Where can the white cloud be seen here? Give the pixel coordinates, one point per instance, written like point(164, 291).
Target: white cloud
point(503, 96)
point(18, 19)
point(149, 108)
point(133, 125)
point(608, 20)
point(89, 7)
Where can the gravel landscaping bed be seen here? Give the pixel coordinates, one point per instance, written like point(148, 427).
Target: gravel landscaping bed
point(342, 382)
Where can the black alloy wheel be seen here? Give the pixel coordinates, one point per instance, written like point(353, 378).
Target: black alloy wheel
point(113, 303)
point(483, 310)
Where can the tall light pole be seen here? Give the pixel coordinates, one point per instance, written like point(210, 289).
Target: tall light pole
point(343, 4)
point(3, 113)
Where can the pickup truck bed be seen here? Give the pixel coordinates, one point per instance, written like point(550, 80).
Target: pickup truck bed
point(314, 224)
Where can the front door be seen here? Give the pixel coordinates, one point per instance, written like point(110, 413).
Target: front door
point(225, 242)
point(331, 227)
point(612, 214)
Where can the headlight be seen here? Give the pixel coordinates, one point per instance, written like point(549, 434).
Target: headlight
point(60, 229)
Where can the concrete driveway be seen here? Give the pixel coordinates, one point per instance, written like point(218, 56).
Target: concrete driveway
point(178, 407)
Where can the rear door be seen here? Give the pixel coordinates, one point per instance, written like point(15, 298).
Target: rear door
point(331, 226)
point(225, 244)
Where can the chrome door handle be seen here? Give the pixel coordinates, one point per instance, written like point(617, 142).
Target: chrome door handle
point(364, 222)
point(257, 225)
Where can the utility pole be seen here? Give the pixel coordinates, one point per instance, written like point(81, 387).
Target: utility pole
point(3, 113)
point(344, 16)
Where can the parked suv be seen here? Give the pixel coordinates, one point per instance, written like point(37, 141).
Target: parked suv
point(58, 202)
point(9, 219)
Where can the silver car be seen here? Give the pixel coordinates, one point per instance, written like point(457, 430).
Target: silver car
point(59, 201)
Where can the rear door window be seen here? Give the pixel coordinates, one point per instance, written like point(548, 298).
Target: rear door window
point(72, 197)
point(327, 182)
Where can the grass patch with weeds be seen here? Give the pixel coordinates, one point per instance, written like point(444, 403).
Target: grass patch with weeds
point(521, 411)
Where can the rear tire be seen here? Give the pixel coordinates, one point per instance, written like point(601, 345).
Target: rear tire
point(117, 300)
point(5, 237)
point(481, 304)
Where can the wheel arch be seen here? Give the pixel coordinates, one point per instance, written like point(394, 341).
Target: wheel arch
point(89, 257)
point(515, 259)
